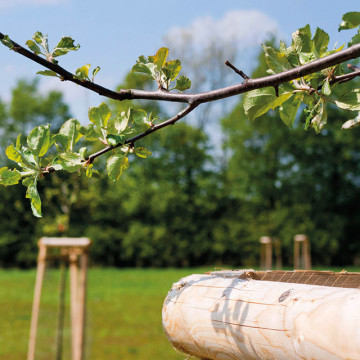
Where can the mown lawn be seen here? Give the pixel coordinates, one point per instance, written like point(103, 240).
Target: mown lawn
point(124, 313)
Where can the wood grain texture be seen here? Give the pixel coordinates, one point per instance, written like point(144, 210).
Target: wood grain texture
point(221, 318)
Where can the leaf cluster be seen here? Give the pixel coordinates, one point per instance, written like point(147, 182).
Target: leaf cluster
point(111, 131)
point(162, 71)
point(351, 20)
point(315, 91)
point(40, 46)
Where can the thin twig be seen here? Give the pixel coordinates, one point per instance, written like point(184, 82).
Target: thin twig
point(276, 87)
point(353, 67)
point(346, 77)
point(239, 72)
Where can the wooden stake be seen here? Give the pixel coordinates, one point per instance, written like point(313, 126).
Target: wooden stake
point(36, 302)
point(278, 255)
point(73, 258)
point(302, 256)
point(265, 253)
point(81, 305)
point(61, 312)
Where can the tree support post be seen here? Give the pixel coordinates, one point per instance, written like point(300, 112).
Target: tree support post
point(302, 255)
point(265, 253)
point(75, 250)
point(41, 262)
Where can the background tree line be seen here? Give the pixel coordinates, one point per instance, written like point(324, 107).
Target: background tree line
point(189, 205)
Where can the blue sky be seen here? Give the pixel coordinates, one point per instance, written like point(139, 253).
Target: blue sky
point(113, 33)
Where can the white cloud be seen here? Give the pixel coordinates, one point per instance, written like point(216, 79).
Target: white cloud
point(7, 4)
point(246, 28)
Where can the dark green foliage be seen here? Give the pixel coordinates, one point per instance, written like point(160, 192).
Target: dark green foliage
point(18, 235)
point(293, 181)
point(149, 217)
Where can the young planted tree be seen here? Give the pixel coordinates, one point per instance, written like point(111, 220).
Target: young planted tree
point(306, 72)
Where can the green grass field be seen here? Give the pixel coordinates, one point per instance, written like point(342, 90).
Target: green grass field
point(124, 313)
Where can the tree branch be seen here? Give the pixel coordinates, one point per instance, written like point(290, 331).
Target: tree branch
point(350, 53)
point(195, 99)
point(132, 140)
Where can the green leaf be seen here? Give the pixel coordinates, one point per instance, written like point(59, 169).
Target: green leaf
point(350, 124)
point(115, 139)
point(320, 119)
point(182, 83)
point(71, 129)
point(39, 140)
point(289, 109)
point(350, 20)
point(320, 42)
point(306, 58)
point(172, 69)
point(99, 116)
point(160, 57)
point(65, 45)
point(121, 122)
point(82, 152)
point(276, 61)
point(61, 140)
point(142, 59)
point(23, 158)
point(292, 56)
point(90, 170)
point(13, 153)
point(137, 116)
point(95, 71)
point(145, 66)
point(355, 39)
point(349, 101)
point(302, 39)
point(18, 141)
point(42, 40)
point(142, 152)
point(55, 165)
point(326, 87)
point(9, 177)
point(7, 42)
point(48, 73)
point(258, 102)
point(33, 195)
point(82, 73)
point(33, 47)
point(142, 68)
point(90, 132)
point(70, 162)
point(116, 165)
